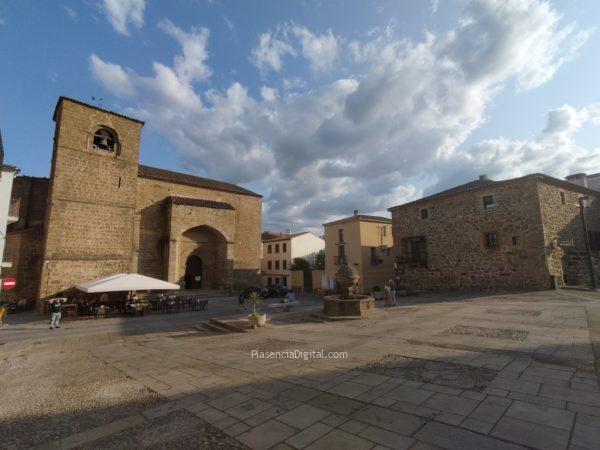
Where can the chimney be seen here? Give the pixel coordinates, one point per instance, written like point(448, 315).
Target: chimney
point(483, 177)
point(356, 212)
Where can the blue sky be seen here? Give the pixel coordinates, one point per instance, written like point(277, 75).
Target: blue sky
point(323, 107)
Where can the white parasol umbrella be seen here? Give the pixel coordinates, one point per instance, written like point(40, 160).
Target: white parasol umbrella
point(126, 282)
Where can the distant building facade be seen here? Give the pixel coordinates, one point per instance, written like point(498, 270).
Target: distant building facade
point(512, 234)
point(7, 205)
point(102, 213)
point(279, 251)
point(365, 242)
point(590, 181)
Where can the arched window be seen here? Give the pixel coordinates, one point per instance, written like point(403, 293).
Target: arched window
point(105, 139)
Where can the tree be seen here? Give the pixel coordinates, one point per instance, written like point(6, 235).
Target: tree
point(304, 266)
point(319, 263)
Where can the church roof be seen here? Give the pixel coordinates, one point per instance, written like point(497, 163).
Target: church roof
point(191, 180)
point(200, 202)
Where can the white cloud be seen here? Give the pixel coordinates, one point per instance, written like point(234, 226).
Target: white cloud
point(268, 94)
point(70, 12)
point(121, 13)
point(112, 76)
point(377, 139)
point(229, 23)
point(321, 51)
point(189, 66)
point(293, 83)
point(269, 52)
point(553, 152)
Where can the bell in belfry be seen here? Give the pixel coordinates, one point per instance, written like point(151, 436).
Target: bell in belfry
point(103, 142)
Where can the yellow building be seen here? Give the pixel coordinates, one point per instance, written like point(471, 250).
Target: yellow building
point(366, 243)
point(279, 251)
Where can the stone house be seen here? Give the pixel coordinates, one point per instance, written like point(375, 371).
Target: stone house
point(279, 251)
point(101, 212)
point(521, 233)
point(591, 181)
point(366, 243)
point(7, 206)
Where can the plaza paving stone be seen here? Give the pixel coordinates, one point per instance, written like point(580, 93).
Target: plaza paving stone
point(157, 382)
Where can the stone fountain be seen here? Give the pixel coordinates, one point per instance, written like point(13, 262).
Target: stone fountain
point(347, 302)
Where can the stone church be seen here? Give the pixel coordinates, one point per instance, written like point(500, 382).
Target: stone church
point(101, 213)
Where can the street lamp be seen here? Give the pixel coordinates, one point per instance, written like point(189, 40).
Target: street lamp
point(582, 200)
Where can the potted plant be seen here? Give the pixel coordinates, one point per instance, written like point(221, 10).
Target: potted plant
point(256, 319)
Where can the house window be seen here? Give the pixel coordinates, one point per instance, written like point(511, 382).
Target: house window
point(284, 247)
point(488, 201)
point(341, 235)
point(270, 249)
point(276, 280)
point(563, 200)
point(384, 232)
point(491, 240)
point(374, 258)
point(277, 264)
point(516, 240)
point(270, 280)
point(105, 139)
point(415, 249)
point(276, 248)
point(284, 264)
point(269, 265)
point(424, 213)
point(284, 281)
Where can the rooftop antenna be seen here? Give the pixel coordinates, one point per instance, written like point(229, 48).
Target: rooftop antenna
point(98, 100)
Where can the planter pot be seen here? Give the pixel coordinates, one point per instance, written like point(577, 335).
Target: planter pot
point(257, 321)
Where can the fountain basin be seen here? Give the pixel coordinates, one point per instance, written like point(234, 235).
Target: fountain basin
point(335, 305)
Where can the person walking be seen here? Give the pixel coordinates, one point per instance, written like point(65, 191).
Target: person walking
point(392, 292)
point(56, 305)
point(3, 313)
point(387, 295)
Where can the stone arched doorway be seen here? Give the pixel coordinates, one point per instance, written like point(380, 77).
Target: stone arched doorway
point(202, 259)
point(193, 272)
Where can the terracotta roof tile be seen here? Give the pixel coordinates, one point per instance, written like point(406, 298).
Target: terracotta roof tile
point(192, 180)
point(200, 202)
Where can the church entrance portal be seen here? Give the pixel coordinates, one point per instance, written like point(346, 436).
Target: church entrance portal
point(203, 253)
point(193, 272)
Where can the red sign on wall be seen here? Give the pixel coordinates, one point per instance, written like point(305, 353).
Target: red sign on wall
point(9, 283)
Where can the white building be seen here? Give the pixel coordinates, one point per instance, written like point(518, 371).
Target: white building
point(590, 181)
point(279, 253)
point(8, 211)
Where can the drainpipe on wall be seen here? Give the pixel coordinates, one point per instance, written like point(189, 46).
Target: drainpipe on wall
point(582, 200)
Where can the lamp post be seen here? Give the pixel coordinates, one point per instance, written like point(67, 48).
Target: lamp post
point(582, 200)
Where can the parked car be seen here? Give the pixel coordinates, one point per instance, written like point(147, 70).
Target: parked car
point(276, 290)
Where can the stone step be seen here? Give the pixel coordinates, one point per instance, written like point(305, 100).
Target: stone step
point(227, 325)
point(206, 326)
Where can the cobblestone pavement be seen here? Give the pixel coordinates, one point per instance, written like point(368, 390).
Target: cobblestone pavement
point(479, 372)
